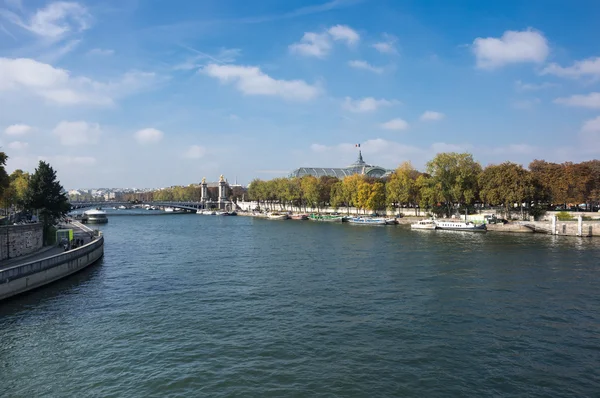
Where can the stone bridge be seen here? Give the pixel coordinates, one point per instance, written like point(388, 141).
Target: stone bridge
point(186, 205)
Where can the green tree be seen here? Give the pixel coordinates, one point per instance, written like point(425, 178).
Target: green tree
point(337, 197)
point(4, 179)
point(456, 176)
point(45, 195)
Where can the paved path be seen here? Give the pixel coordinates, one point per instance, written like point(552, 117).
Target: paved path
point(47, 251)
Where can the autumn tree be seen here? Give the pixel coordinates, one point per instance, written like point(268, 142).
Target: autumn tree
point(402, 186)
point(310, 191)
point(506, 184)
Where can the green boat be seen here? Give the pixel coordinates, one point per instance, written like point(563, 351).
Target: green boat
point(326, 218)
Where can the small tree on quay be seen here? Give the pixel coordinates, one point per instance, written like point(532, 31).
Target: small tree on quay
point(45, 195)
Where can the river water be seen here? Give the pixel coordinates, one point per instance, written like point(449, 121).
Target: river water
point(187, 305)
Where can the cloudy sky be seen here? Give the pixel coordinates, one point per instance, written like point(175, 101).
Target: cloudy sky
point(149, 93)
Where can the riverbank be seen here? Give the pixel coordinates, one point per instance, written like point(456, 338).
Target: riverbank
point(577, 227)
point(47, 265)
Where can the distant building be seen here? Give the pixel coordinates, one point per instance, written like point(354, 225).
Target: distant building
point(358, 167)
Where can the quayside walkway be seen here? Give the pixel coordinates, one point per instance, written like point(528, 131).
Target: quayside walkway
point(79, 232)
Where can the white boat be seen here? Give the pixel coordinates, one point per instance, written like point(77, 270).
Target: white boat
point(169, 209)
point(122, 207)
point(96, 216)
point(460, 226)
point(277, 216)
point(220, 213)
point(367, 221)
point(391, 221)
point(424, 224)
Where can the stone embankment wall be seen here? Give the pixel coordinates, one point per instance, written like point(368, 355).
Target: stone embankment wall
point(20, 240)
point(21, 278)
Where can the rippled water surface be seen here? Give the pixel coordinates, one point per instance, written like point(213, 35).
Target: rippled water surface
point(187, 305)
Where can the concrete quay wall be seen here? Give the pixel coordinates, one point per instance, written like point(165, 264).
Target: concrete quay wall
point(24, 277)
point(20, 240)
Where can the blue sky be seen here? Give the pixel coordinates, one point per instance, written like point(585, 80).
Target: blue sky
point(150, 93)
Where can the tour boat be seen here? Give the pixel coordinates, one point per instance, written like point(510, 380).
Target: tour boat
point(122, 207)
point(424, 224)
point(300, 217)
point(96, 216)
point(169, 209)
point(367, 221)
point(326, 218)
point(277, 216)
point(460, 226)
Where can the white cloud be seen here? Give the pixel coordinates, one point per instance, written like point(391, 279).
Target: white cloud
point(58, 86)
point(18, 145)
point(55, 20)
point(194, 152)
point(513, 47)
point(365, 65)
point(344, 33)
point(532, 87)
point(77, 133)
point(591, 126)
point(250, 80)
point(395, 124)
point(312, 44)
point(319, 44)
point(17, 129)
point(368, 104)
point(101, 52)
point(432, 115)
point(318, 148)
point(592, 100)
point(587, 67)
point(388, 46)
point(224, 56)
point(148, 136)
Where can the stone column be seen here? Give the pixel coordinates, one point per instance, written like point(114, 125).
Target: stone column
point(203, 192)
point(580, 225)
point(222, 192)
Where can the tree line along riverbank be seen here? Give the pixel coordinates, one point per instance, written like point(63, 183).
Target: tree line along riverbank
point(451, 182)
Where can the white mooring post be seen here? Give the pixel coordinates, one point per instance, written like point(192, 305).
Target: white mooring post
point(580, 225)
point(554, 231)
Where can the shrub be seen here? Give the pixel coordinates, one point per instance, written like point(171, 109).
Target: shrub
point(537, 211)
point(564, 216)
